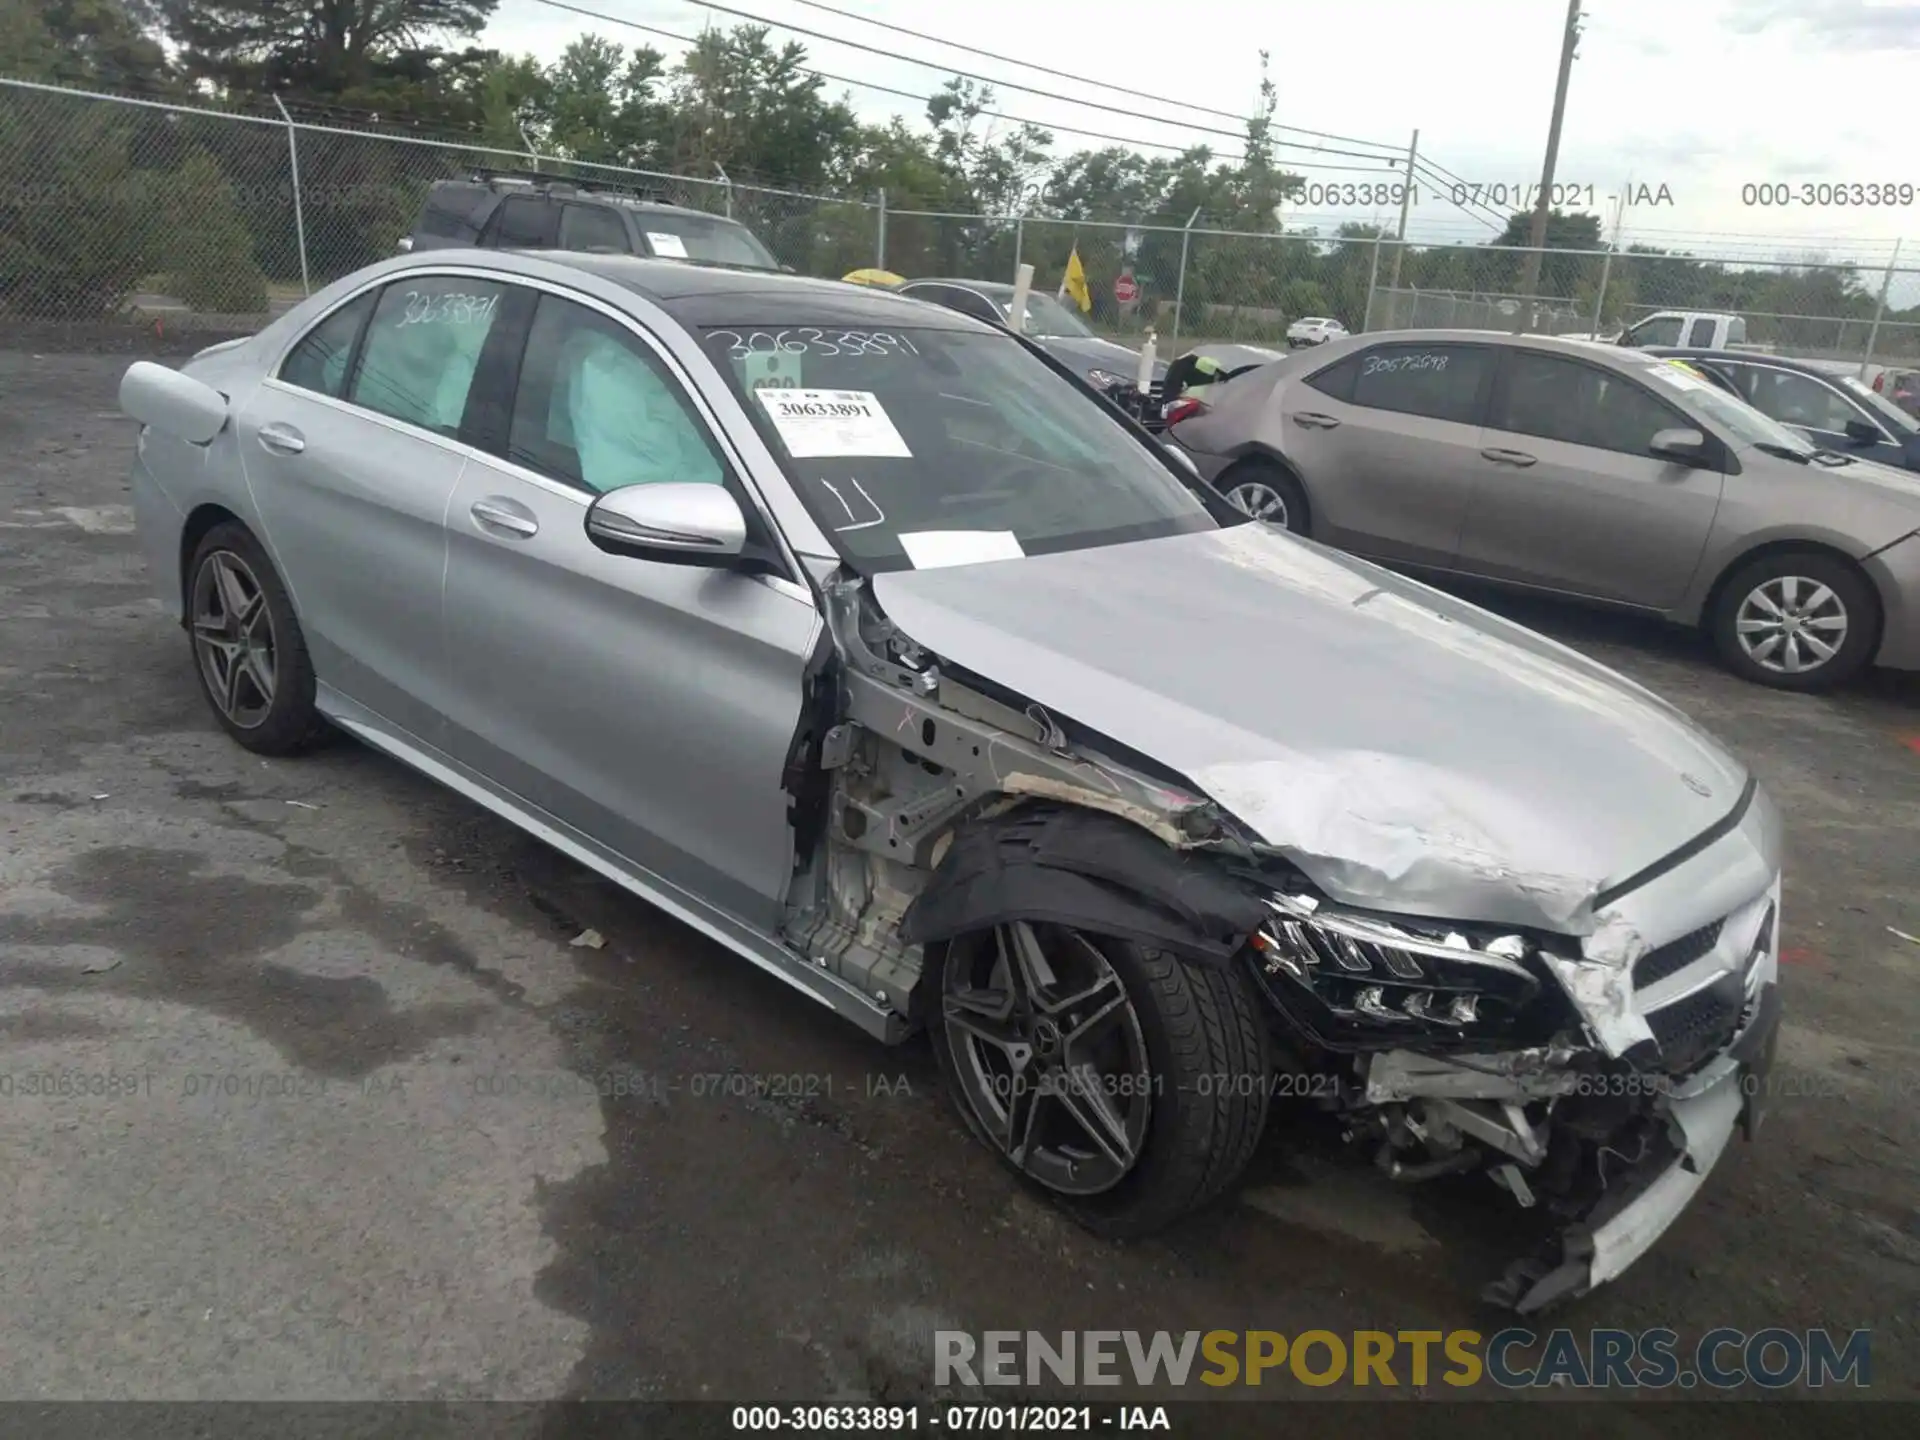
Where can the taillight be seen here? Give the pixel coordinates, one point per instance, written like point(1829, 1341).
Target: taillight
point(1182, 410)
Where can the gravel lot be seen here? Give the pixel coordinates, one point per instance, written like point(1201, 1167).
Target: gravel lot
point(372, 1127)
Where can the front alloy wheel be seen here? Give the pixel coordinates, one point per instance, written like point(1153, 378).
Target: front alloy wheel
point(1126, 1083)
point(1049, 1053)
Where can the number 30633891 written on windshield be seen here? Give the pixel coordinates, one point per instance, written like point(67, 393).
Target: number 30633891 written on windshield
point(825, 343)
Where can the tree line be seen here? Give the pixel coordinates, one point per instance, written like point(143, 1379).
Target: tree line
point(101, 200)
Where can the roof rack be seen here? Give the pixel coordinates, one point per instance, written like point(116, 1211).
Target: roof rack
point(567, 182)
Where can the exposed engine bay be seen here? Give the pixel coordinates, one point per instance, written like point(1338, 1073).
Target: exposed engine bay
point(1593, 1083)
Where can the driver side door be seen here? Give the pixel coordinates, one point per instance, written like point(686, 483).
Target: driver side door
point(647, 706)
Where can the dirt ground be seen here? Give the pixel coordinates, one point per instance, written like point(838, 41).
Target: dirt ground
point(371, 1126)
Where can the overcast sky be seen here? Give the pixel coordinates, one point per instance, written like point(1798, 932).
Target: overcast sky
point(1699, 96)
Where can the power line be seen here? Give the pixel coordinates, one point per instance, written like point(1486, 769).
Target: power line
point(753, 19)
point(1061, 74)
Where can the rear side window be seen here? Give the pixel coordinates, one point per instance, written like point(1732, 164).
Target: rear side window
point(522, 222)
point(1700, 334)
point(453, 212)
point(593, 228)
point(1441, 382)
point(1557, 399)
point(1336, 380)
point(423, 345)
point(319, 362)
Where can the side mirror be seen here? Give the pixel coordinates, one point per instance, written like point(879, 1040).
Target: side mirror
point(174, 404)
point(680, 524)
point(406, 244)
point(1863, 432)
point(788, 270)
point(1683, 447)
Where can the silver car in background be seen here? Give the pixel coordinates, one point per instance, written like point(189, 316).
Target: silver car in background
point(857, 635)
point(1602, 474)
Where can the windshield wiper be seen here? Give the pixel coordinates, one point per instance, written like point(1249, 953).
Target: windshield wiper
point(1767, 447)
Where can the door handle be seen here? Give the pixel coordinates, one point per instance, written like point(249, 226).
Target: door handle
point(1314, 421)
point(1509, 457)
point(498, 513)
point(282, 439)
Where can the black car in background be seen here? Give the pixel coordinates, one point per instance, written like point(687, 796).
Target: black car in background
point(1832, 408)
point(511, 211)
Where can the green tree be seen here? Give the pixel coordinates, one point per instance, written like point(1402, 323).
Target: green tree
point(204, 244)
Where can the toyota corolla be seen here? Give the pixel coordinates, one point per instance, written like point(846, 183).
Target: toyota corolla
point(863, 638)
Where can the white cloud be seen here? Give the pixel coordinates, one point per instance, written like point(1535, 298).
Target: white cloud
point(1700, 98)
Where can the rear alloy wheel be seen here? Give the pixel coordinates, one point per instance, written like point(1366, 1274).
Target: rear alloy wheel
point(1268, 493)
point(1796, 621)
point(247, 646)
point(1127, 1084)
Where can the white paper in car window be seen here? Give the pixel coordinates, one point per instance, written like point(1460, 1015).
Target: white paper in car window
point(819, 424)
point(935, 549)
point(1679, 376)
point(667, 245)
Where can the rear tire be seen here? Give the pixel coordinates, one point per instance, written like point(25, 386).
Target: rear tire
point(1180, 1060)
point(248, 650)
point(1267, 491)
point(1796, 620)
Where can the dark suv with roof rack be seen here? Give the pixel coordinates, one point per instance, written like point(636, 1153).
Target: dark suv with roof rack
point(513, 211)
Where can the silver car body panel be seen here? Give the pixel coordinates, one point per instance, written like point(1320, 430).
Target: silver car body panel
point(1282, 680)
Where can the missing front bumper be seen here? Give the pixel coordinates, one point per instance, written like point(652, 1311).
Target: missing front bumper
point(1637, 1209)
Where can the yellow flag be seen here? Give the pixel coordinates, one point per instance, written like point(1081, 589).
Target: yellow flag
point(1074, 283)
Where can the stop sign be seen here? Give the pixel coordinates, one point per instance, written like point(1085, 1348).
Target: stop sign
point(1125, 292)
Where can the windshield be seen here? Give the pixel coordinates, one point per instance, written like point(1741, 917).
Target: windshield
point(1046, 317)
point(916, 447)
point(1884, 410)
point(675, 236)
point(1739, 419)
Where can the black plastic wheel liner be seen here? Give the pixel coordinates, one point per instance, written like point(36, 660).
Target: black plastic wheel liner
point(1093, 872)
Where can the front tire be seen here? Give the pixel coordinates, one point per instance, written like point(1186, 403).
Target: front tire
point(248, 649)
point(1796, 620)
point(1126, 1084)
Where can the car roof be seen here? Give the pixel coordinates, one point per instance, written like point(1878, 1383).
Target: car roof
point(1745, 357)
point(567, 189)
point(993, 289)
point(706, 294)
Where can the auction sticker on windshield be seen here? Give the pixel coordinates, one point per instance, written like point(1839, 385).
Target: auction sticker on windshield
point(819, 424)
point(667, 245)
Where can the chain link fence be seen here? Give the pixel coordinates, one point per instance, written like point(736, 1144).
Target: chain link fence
point(116, 209)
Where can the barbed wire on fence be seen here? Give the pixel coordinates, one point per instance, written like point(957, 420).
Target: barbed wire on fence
point(115, 206)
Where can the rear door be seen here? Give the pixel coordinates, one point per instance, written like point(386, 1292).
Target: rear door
point(1387, 441)
point(350, 455)
point(648, 706)
point(1571, 498)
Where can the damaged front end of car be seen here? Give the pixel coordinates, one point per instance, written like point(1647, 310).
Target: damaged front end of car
point(1470, 1049)
point(1592, 1070)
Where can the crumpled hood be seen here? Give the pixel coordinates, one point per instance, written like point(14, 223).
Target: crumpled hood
point(1408, 751)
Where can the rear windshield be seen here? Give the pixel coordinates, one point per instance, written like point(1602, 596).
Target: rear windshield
point(914, 447)
point(674, 236)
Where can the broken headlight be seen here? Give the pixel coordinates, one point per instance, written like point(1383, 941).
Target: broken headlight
point(1362, 979)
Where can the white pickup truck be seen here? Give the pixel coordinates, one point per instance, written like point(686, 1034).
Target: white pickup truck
point(1694, 329)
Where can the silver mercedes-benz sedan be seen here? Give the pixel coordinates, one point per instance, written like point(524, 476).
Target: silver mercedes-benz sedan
point(863, 638)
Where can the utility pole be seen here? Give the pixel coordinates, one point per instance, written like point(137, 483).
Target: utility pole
point(1406, 196)
point(1537, 237)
